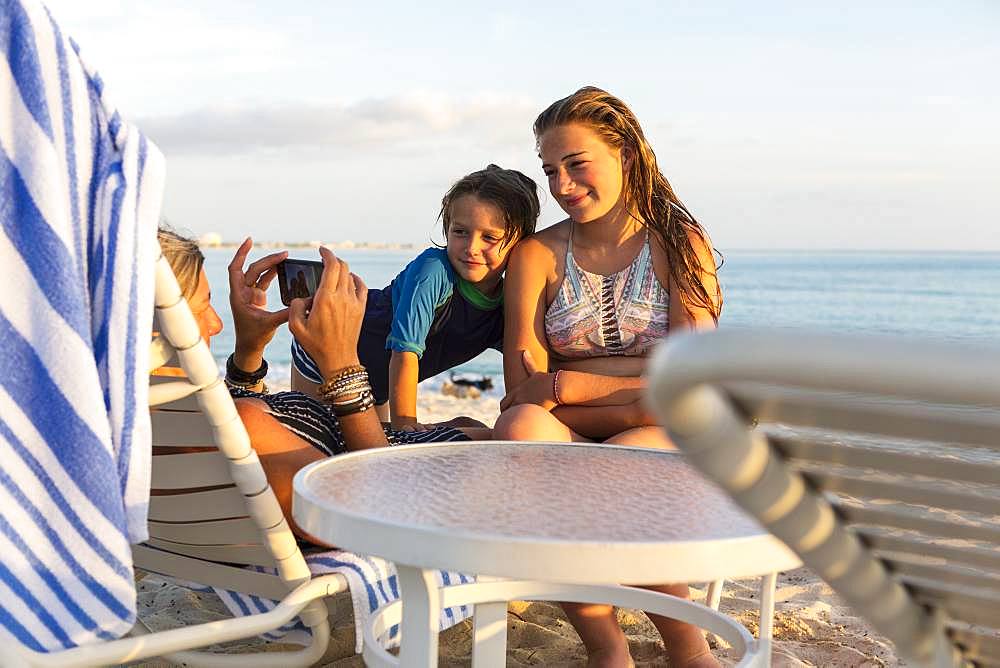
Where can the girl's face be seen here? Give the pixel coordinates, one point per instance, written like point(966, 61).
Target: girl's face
point(475, 242)
point(201, 307)
point(585, 174)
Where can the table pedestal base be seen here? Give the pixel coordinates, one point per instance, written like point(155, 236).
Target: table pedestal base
point(419, 630)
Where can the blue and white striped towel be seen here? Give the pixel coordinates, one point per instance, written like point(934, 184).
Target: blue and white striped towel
point(80, 195)
point(372, 583)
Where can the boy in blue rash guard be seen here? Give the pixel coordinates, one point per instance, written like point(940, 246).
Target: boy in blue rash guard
point(445, 307)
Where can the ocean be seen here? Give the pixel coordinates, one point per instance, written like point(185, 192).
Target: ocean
point(952, 296)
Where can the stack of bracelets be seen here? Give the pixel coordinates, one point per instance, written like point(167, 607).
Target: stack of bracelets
point(348, 391)
point(237, 377)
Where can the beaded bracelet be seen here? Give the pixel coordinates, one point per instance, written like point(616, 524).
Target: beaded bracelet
point(240, 378)
point(346, 385)
point(555, 387)
point(341, 375)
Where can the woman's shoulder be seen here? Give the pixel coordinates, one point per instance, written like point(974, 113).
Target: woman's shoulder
point(548, 243)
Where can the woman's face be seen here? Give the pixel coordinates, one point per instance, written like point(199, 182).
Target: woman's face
point(201, 307)
point(585, 174)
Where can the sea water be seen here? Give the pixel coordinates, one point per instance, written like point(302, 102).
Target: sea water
point(952, 296)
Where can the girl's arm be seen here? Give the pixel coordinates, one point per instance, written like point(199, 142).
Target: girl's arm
point(604, 421)
point(404, 372)
point(575, 388)
point(524, 309)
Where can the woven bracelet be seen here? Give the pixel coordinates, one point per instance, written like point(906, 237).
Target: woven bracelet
point(342, 377)
point(555, 387)
point(240, 378)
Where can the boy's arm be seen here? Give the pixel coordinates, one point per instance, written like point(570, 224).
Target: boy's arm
point(403, 375)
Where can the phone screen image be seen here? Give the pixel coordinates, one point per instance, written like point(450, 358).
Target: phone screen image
point(298, 278)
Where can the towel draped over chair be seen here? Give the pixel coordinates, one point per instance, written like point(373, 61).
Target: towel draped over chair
point(80, 196)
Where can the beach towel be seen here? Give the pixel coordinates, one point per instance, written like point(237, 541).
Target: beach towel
point(372, 584)
point(80, 195)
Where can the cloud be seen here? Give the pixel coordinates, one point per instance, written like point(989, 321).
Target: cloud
point(388, 124)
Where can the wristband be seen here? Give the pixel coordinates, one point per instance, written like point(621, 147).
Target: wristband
point(240, 378)
point(364, 400)
point(555, 387)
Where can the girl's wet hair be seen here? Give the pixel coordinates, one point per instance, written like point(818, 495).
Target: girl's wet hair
point(514, 194)
point(648, 196)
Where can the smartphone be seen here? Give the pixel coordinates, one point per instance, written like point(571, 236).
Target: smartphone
point(298, 278)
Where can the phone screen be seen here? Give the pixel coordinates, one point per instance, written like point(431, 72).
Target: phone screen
point(298, 278)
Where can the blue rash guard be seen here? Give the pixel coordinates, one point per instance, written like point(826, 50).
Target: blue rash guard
point(428, 310)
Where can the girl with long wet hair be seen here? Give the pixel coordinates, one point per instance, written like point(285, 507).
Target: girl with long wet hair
point(586, 300)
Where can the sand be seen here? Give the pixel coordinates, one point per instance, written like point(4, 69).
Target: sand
point(812, 627)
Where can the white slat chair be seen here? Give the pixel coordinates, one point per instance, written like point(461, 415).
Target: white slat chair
point(877, 460)
point(218, 514)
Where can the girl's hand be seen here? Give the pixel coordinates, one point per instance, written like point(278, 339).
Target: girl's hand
point(255, 325)
point(330, 331)
point(535, 389)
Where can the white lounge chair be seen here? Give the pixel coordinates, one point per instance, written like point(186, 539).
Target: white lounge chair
point(195, 535)
point(877, 460)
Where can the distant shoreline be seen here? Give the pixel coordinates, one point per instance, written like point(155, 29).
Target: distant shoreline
point(337, 245)
point(385, 246)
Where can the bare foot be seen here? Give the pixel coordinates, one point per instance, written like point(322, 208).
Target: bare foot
point(609, 658)
point(685, 643)
point(700, 660)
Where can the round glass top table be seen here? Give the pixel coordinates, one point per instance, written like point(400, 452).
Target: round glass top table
point(554, 512)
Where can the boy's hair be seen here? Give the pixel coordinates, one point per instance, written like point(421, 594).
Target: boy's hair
point(184, 257)
point(648, 195)
point(511, 192)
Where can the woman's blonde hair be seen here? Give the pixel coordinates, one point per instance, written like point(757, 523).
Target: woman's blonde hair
point(648, 196)
point(184, 257)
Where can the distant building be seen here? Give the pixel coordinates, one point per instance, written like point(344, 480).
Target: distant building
point(210, 240)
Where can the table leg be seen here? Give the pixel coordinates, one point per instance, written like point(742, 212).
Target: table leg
point(421, 616)
point(767, 585)
point(489, 632)
point(714, 594)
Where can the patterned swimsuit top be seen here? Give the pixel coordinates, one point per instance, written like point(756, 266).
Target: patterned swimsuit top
point(596, 316)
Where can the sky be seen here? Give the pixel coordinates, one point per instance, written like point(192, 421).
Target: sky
point(781, 125)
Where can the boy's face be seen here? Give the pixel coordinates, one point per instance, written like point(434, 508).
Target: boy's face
point(475, 242)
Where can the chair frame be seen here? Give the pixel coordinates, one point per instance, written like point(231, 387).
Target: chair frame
point(299, 592)
point(708, 387)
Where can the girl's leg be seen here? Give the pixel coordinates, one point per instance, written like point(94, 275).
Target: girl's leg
point(596, 624)
point(643, 437)
point(382, 411)
point(685, 643)
point(598, 628)
point(528, 422)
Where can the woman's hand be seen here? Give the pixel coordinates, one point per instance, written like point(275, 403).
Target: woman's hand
point(537, 388)
point(410, 424)
point(329, 333)
point(255, 325)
